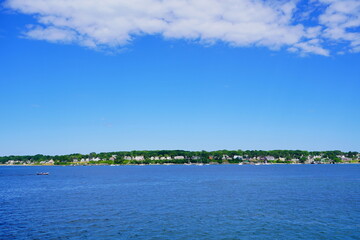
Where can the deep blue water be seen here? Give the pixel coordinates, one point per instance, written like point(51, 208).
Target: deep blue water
point(181, 202)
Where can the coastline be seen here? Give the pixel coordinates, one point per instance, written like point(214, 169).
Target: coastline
point(170, 164)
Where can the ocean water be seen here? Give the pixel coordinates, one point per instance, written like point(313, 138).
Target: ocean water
point(181, 202)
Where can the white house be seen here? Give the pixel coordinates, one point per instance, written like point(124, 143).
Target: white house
point(269, 158)
point(345, 159)
point(139, 158)
point(226, 157)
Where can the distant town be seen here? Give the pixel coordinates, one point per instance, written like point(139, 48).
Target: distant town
point(188, 157)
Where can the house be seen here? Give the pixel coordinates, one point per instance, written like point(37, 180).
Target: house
point(139, 158)
point(226, 157)
point(127, 158)
point(345, 159)
point(295, 160)
point(314, 157)
point(179, 157)
point(269, 158)
point(238, 157)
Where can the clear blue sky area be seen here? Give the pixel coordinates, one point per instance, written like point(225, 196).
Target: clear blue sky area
point(161, 93)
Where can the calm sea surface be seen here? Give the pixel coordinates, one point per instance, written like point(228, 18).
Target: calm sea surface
point(181, 202)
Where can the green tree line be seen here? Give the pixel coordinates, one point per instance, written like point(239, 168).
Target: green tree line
point(190, 156)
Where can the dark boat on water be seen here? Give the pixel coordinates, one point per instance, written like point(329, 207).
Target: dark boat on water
point(42, 173)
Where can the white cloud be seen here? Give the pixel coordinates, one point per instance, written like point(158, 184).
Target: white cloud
point(342, 21)
point(114, 23)
point(52, 34)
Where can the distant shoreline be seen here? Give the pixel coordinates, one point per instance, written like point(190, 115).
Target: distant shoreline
point(170, 164)
point(183, 157)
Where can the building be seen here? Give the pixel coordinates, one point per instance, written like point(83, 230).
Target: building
point(345, 159)
point(314, 157)
point(226, 157)
point(139, 158)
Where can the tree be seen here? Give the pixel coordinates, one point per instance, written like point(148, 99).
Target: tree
point(302, 159)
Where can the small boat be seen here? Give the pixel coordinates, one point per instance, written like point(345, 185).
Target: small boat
point(42, 173)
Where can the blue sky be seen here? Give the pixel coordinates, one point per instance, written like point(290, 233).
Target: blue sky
point(154, 91)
